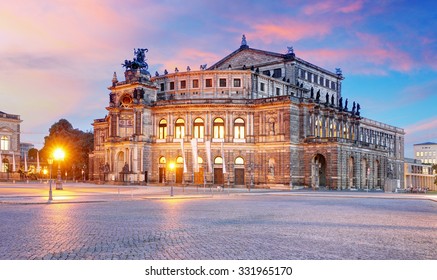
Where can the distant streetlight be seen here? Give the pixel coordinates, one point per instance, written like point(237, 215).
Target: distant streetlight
point(172, 167)
point(50, 162)
point(59, 155)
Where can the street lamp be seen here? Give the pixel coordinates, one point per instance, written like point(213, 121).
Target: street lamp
point(50, 162)
point(59, 155)
point(172, 167)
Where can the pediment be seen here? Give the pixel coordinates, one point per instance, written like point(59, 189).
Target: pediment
point(248, 57)
point(6, 129)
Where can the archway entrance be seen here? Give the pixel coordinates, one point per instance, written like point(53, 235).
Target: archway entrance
point(239, 171)
point(198, 176)
point(162, 169)
point(318, 171)
point(218, 171)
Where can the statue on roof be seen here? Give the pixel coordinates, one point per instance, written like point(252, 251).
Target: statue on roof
point(340, 103)
point(138, 62)
point(332, 100)
point(327, 98)
point(318, 96)
point(244, 42)
point(353, 108)
point(358, 109)
point(345, 105)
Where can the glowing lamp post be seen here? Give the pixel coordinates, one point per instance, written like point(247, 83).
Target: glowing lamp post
point(172, 167)
point(59, 155)
point(50, 162)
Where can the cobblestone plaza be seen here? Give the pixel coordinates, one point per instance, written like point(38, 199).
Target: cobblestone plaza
point(236, 225)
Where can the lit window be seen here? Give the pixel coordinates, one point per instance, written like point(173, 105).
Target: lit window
point(199, 128)
point(239, 128)
point(5, 143)
point(179, 128)
point(219, 128)
point(162, 160)
point(179, 160)
point(218, 160)
point(237, 82)
point(239, 161)
point(162, 129)
point(199, 160)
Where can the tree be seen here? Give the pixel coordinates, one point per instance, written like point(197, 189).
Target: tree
point(32, 154)
point(76, 144)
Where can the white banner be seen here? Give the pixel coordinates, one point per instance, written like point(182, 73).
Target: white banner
point(183, 155)
point(194, 149)
point(223, 157)
point(208, 155)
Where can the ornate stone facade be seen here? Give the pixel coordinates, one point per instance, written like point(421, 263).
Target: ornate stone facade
point(9, 144)
point(260, 119)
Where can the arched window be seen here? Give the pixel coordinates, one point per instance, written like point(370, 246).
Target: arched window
point(239, 161)
point(4, 165)
point(218, 160)
point(179, 160)
point(199, 128)
point(320, 127)
point(162, 129)
point(162, 160)
point(345, 131)
point(179, 129)
point(239, 128)
point(5, 143)
point(199, 160)
point(219, 128)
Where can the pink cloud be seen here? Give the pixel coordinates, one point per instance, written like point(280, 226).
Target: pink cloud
point(352, 7)
point(369, 55)
point(429, 126)
point(332, 6)
point(288, 29)
point(186, 57)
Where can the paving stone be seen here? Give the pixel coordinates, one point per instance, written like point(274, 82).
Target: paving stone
point(239, 227)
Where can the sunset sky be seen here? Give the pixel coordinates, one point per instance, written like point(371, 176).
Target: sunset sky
point(57, 57)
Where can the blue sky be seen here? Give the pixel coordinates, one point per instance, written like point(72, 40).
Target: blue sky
point(57, 57)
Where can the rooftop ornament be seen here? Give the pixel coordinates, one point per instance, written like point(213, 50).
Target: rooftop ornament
point(138, 62)
point(244, 44)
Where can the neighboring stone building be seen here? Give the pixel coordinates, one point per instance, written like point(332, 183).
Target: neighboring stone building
point(24, 149)
point(255, 118)
point(9, 144)
point(426, 152)
point(418, 176)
